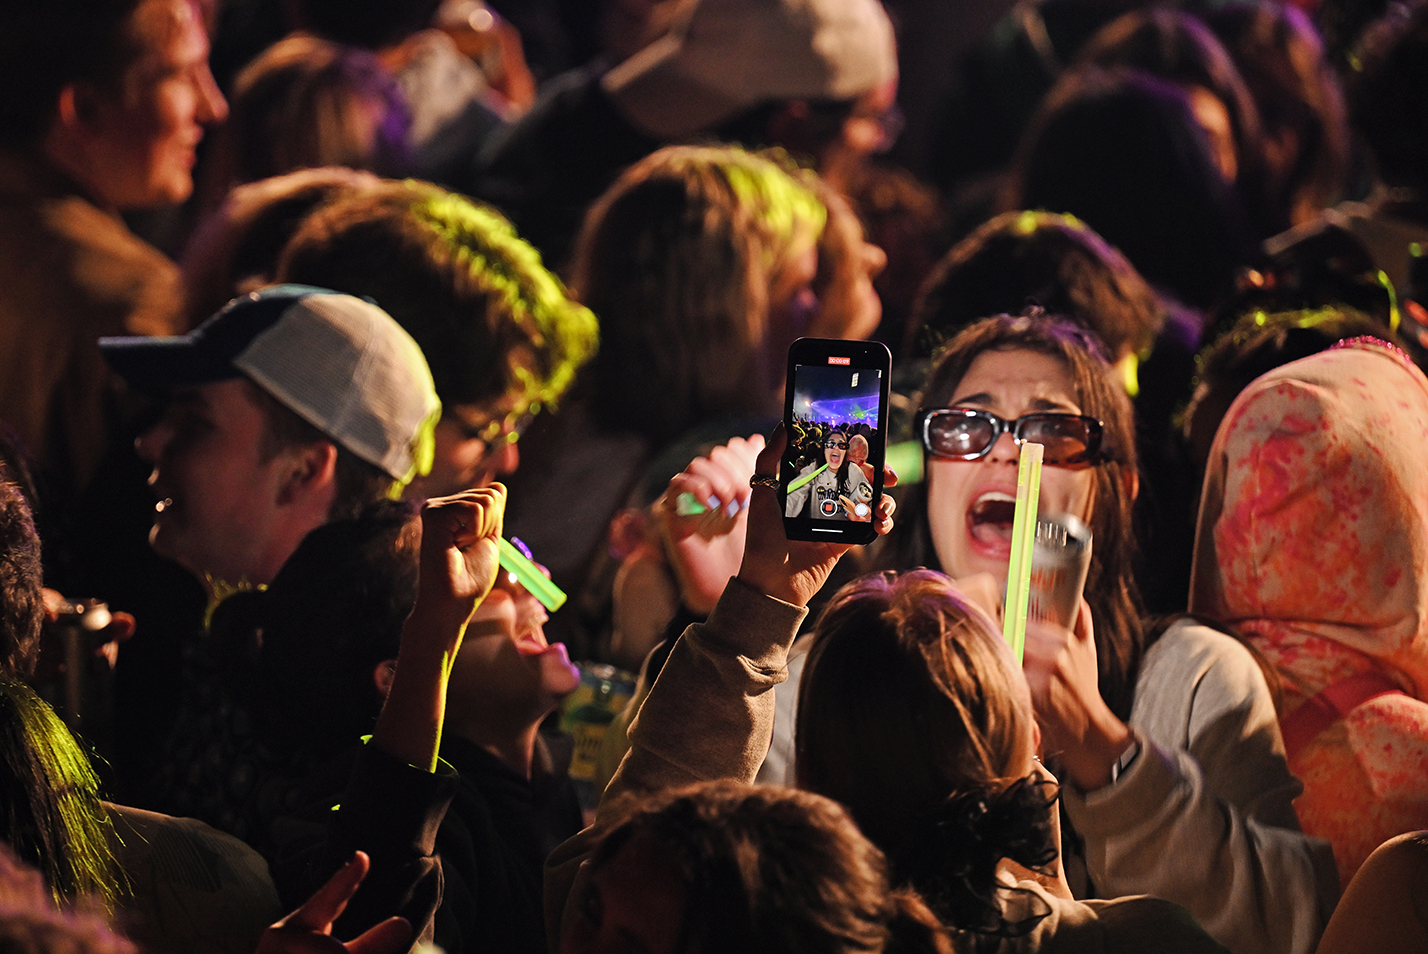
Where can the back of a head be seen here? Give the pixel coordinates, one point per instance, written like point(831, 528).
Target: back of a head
point(306, 103)
point(21, 605)
point(31, 923)
point(1315, 511)
point(1177, 47)
point(723, 60)
point(913, 716)
point(1054, 261)
point(236, 249)
point(679, 259)
point(373, 24)
point(1257, 344)
point(772, 870)
point(491, 320)
point(46, 46)
point(1388, 95)
point(1123, 152)
point(1281, 57)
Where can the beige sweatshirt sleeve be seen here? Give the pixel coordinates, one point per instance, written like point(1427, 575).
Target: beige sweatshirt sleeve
point(1205, 817)
point(709, 716)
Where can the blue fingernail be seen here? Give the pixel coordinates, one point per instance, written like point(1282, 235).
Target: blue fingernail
point(713, 502)
point(733, 508)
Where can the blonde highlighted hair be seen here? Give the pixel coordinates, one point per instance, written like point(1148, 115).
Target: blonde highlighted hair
point(678, 259)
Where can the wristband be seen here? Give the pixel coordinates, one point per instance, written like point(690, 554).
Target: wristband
point(1127, 759)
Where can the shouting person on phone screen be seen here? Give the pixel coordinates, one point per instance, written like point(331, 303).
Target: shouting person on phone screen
point(836, 485)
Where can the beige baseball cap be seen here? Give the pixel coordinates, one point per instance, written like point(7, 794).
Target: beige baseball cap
point(340, 363)
point(722, 57)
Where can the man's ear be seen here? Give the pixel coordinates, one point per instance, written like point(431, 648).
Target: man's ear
point(77, 106)
point(382, 675)
point(312, 468)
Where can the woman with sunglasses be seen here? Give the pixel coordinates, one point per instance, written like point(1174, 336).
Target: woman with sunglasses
point(1175, 778)
point(831, 489)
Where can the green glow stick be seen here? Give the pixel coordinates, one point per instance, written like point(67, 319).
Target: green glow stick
point(686, 506)
point(794, 484)
point(799, 482)
point(906, 461)
point(1028, 490)
point(529, 575)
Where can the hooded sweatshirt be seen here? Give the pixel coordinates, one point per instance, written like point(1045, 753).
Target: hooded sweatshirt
point(1313, 541)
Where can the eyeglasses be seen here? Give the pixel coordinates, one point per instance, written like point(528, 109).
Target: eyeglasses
point(1070, 440)
point(496, 434)
point(841, 445)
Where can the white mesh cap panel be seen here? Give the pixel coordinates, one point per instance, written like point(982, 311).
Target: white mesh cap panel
point(346, 367)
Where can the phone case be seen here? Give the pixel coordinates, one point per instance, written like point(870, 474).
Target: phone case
point(835, 415)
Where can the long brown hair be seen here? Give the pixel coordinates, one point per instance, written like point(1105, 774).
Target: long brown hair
point(677, 259)
point(913, 715)
point(1111, 587)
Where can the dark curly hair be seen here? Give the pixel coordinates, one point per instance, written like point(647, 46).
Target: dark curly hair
point(773, 870)
point(22, 608)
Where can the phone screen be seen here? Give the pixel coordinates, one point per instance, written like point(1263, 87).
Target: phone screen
point(832, 474)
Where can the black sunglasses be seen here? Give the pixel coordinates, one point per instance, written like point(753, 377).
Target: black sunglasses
point(1070, 440)
point(830, 442)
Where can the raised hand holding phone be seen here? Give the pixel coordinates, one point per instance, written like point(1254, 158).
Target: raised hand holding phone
point(835, 418)
point(792, 570)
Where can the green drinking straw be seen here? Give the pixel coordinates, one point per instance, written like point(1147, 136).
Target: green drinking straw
point(1028, 489)
point(529, 575)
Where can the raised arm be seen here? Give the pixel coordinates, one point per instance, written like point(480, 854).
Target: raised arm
point(1203, 814)
point(396, 800)
point(710, 713)
point(459, 537)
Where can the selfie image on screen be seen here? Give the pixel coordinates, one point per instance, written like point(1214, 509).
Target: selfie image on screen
point(835, 415)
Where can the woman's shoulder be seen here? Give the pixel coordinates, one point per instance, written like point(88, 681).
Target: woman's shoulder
point(1137, 923)
point(1193, 676)
point(1144, 923)
point(1195, 655)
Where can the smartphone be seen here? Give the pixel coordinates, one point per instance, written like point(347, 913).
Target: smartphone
point(836, 415)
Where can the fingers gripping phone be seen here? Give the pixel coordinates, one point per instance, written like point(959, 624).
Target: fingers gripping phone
point(835, 413)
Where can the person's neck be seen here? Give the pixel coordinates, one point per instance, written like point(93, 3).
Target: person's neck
point(514, 745)
point(75, 166)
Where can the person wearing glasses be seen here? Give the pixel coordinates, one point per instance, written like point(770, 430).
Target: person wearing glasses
point(503, 336)
point(1173, 768)
point(835, 490)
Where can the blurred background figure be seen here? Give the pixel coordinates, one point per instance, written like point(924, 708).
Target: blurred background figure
point(816, 78)
point(703, 264)
point(1123, 152)
point(306, 103)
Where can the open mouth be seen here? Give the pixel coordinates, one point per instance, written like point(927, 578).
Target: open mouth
point(532, 641)
point(989, 520)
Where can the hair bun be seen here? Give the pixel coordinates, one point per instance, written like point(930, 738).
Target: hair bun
point(952, 856)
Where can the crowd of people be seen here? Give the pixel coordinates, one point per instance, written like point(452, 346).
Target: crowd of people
point(328, 327)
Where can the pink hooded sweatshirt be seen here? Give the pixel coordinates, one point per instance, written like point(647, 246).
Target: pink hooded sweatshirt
point(1313, 542)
